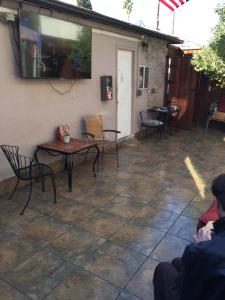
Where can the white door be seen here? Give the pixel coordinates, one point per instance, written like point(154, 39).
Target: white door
point(124, 92)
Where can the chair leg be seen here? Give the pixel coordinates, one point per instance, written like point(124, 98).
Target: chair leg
point(41, 178)
point(140, 131)
point(28, 198)
point(165, 131)
point(207, 126)
point(103, 150)
point(54, 187)
point(42, 183)
point(160, 133)
point(117, 155)
point(11, 195)
point(86, 155)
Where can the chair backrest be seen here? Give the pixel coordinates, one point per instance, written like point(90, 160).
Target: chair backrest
point(19, 163)
point(94, 125)
point(212, 109)
point(148, 115)
point(174, 110)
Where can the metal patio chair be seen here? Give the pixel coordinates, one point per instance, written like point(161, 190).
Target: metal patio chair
point(150, 119)
point(214, 115)
point(26, 169)
point(95, 132)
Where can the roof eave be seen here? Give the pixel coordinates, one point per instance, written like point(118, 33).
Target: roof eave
point(94, 16)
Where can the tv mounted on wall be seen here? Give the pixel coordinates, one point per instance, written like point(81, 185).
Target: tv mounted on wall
point(53, 48)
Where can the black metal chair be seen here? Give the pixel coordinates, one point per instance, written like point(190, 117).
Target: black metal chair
point(150, 119)
point(212, 115)
point(174, 112)
point(26, 169)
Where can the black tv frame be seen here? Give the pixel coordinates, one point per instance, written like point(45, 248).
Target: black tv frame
point(53, 77)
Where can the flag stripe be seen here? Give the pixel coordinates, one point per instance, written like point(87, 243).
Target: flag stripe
point(167, 4)
point(173, 4)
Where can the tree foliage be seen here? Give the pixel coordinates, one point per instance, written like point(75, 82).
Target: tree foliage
point(128, 6)
point(85, 4)
point(211, 60)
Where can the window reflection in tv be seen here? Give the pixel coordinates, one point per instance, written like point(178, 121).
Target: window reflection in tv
point(53, 48)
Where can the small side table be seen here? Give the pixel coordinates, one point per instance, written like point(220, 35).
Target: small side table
point(75, 146)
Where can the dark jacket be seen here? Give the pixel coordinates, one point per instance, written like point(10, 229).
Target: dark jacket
point(203, 277)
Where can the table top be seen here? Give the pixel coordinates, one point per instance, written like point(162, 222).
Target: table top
point(164, 109)
point(74, 146)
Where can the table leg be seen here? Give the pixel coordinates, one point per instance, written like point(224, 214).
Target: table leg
point(96, 159)
point(66, 163)
point(35, 155)
point(69, 159)
point(37, 161)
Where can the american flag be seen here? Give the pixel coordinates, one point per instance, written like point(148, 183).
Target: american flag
point(173, 4)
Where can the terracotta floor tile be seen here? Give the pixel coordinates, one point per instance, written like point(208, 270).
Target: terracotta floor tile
point(124, 207)
point(7, 292)
point(10, 251)
point(127, 296)
point(153, 216)
point(114, 263)
point(141, 284)
point(83, 285)
point(49, 205)
point(6, 204)
point(62, 190)
point(170, 201)
point(11, 219)
point(184, 228)
point(140, 193)
point(42, 230)
point(137, 238)
point(126, 177)
point(169, 248)
point(102, 223)
point(113, 187)
point(73, 213)
point(116, 225)
point(37, 195)
point(196, 208)
point(39, 274)
point(97, 199)
point(76, 245)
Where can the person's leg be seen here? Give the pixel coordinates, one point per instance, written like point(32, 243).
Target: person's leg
point(177, 263)
point(164, 279)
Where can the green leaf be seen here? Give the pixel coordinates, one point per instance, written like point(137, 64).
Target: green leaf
point(211, 59)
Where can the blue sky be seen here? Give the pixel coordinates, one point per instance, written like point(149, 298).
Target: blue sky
point(194, 21)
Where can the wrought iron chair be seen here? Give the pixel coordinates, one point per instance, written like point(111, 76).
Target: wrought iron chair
point(95, 132)
point(150, 119)
point(214, 115)
point(174, 112)
point(26, 169)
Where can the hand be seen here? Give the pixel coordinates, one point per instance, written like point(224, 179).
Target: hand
point(204, 233)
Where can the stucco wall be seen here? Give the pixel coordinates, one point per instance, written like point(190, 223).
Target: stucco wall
point(31, 109)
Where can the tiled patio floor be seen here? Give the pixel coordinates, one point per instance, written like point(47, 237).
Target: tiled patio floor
point(103, 240)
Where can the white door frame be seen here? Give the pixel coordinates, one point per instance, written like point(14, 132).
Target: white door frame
point(132, 50)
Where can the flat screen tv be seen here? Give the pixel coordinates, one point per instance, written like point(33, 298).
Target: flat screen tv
point(53, 48)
